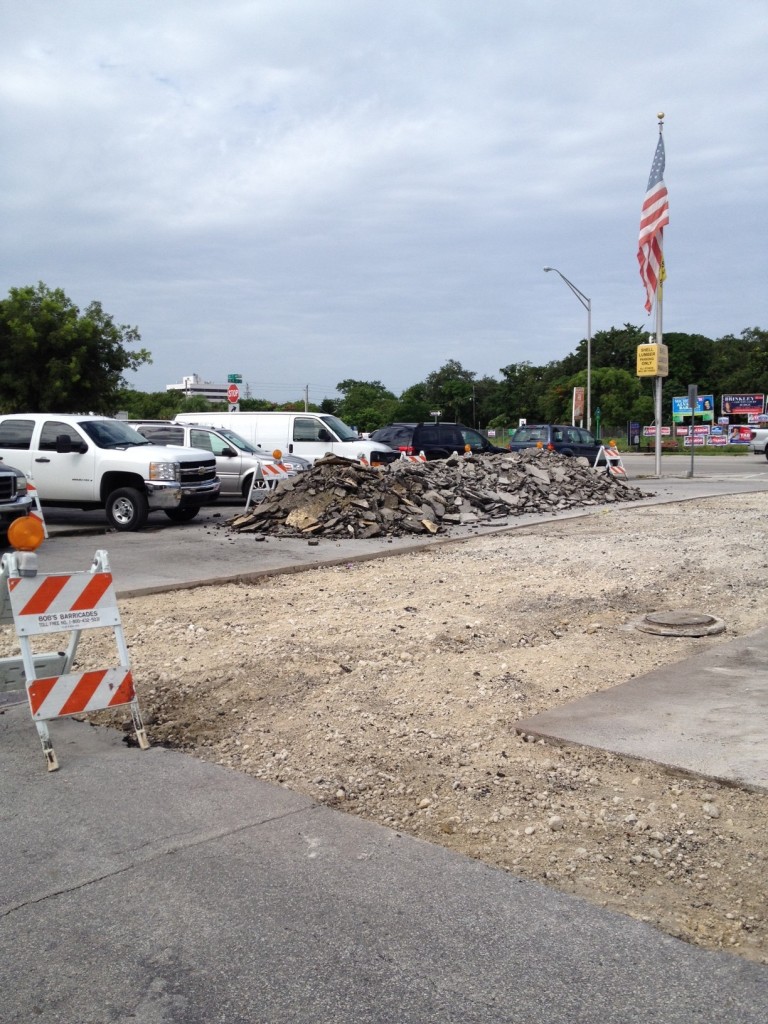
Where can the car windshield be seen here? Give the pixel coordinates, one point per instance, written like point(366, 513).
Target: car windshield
point(340, 429)
point(238, 442)
point(530, 434)
point(112, 434)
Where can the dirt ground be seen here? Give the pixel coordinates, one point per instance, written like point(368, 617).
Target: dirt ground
point(390, 689)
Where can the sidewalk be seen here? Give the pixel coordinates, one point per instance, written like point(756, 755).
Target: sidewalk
point(149, 887)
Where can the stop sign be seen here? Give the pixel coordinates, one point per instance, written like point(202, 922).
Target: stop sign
point(233, 393)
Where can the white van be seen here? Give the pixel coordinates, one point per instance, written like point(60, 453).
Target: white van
point(309, 434)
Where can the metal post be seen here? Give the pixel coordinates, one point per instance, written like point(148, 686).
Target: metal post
point(587, 304)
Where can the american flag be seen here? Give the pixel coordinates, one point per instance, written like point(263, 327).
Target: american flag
point(653, 218)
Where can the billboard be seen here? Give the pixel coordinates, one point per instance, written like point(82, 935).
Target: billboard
point(742, 405)
point(705, 408)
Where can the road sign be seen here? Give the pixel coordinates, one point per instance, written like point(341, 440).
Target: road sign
point(234, 378)
point(233, 393)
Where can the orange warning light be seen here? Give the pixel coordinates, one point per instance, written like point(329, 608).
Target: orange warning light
point(26, 533)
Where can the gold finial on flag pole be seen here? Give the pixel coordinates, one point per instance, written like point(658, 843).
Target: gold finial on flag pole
point(660, 116)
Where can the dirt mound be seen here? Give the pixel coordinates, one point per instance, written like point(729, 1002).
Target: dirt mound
point(341, 497)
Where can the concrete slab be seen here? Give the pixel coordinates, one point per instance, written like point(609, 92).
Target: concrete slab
point(148, 887)
point(707, 715)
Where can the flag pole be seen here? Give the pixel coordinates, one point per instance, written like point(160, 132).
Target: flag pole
point(659, 339)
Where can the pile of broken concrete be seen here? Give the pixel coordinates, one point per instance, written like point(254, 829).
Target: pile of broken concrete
point(341, 498)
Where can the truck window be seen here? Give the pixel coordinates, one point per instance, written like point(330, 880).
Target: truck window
point(339, 428)
point(51, 430)
point(112, 433)
point(16, 434)
point(163, 435)
point(473, 438)
point(206, 440)
point(306, 429)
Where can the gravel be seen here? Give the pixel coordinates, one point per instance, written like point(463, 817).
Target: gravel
point(391, 689)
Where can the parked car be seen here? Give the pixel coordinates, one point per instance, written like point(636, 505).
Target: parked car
point(436, 440)
point(758, 443)
point(236, 459)
point(89, 462)
point(559, 437)
point(14, 500)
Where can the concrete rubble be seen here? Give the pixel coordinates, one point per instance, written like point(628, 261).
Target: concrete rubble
point(342, 498)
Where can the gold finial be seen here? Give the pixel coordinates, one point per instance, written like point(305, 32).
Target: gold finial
point(660, 115)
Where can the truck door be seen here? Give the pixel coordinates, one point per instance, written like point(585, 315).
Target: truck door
point(228, 467)
point(63, 463)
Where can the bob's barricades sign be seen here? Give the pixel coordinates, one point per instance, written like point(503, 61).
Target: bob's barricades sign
point(42, 604)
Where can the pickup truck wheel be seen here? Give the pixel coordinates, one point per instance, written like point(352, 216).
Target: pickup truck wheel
point(181, 515)
point(127, 509)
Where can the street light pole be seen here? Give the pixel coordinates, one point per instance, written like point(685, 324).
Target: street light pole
point(587, 304)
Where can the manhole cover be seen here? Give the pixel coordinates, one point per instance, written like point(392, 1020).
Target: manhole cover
point(680, 623)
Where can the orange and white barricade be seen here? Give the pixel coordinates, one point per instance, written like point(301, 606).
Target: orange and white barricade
point(421, 457)
point(273, 474)
point(66, 602)
point(614, 465)
point(266, 478)
point(37, 511)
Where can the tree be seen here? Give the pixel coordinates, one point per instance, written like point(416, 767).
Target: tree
point(449, 389)
point(413, 405)
point(366, 404)
point(740, 365)
point(487, 401)
point(521, 390)
point(53, 358)
point(618, 395)
point(617, 348)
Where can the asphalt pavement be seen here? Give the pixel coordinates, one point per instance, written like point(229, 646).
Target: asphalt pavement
point(152, 888)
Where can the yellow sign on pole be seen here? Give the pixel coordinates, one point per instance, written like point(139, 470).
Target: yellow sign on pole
point(652, 361)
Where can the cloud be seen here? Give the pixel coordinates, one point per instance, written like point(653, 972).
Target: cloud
point(306, 192)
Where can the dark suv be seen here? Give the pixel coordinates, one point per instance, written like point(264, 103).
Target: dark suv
point(558, 437)
point(436, 440)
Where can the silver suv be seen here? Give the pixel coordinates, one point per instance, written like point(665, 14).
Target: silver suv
point(236, 459)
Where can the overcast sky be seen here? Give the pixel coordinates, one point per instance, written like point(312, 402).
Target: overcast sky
point(303, 191)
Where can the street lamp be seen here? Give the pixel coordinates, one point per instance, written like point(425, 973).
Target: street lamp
point(587, 304)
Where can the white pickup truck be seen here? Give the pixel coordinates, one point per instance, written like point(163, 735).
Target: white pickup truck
point(92, 462)
point(759, 441)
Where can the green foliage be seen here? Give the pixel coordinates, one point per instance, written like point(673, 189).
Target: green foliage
point(450, 389)
point(257, 405)
point(413, 406)
point(53, 358)
point(365, 404)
